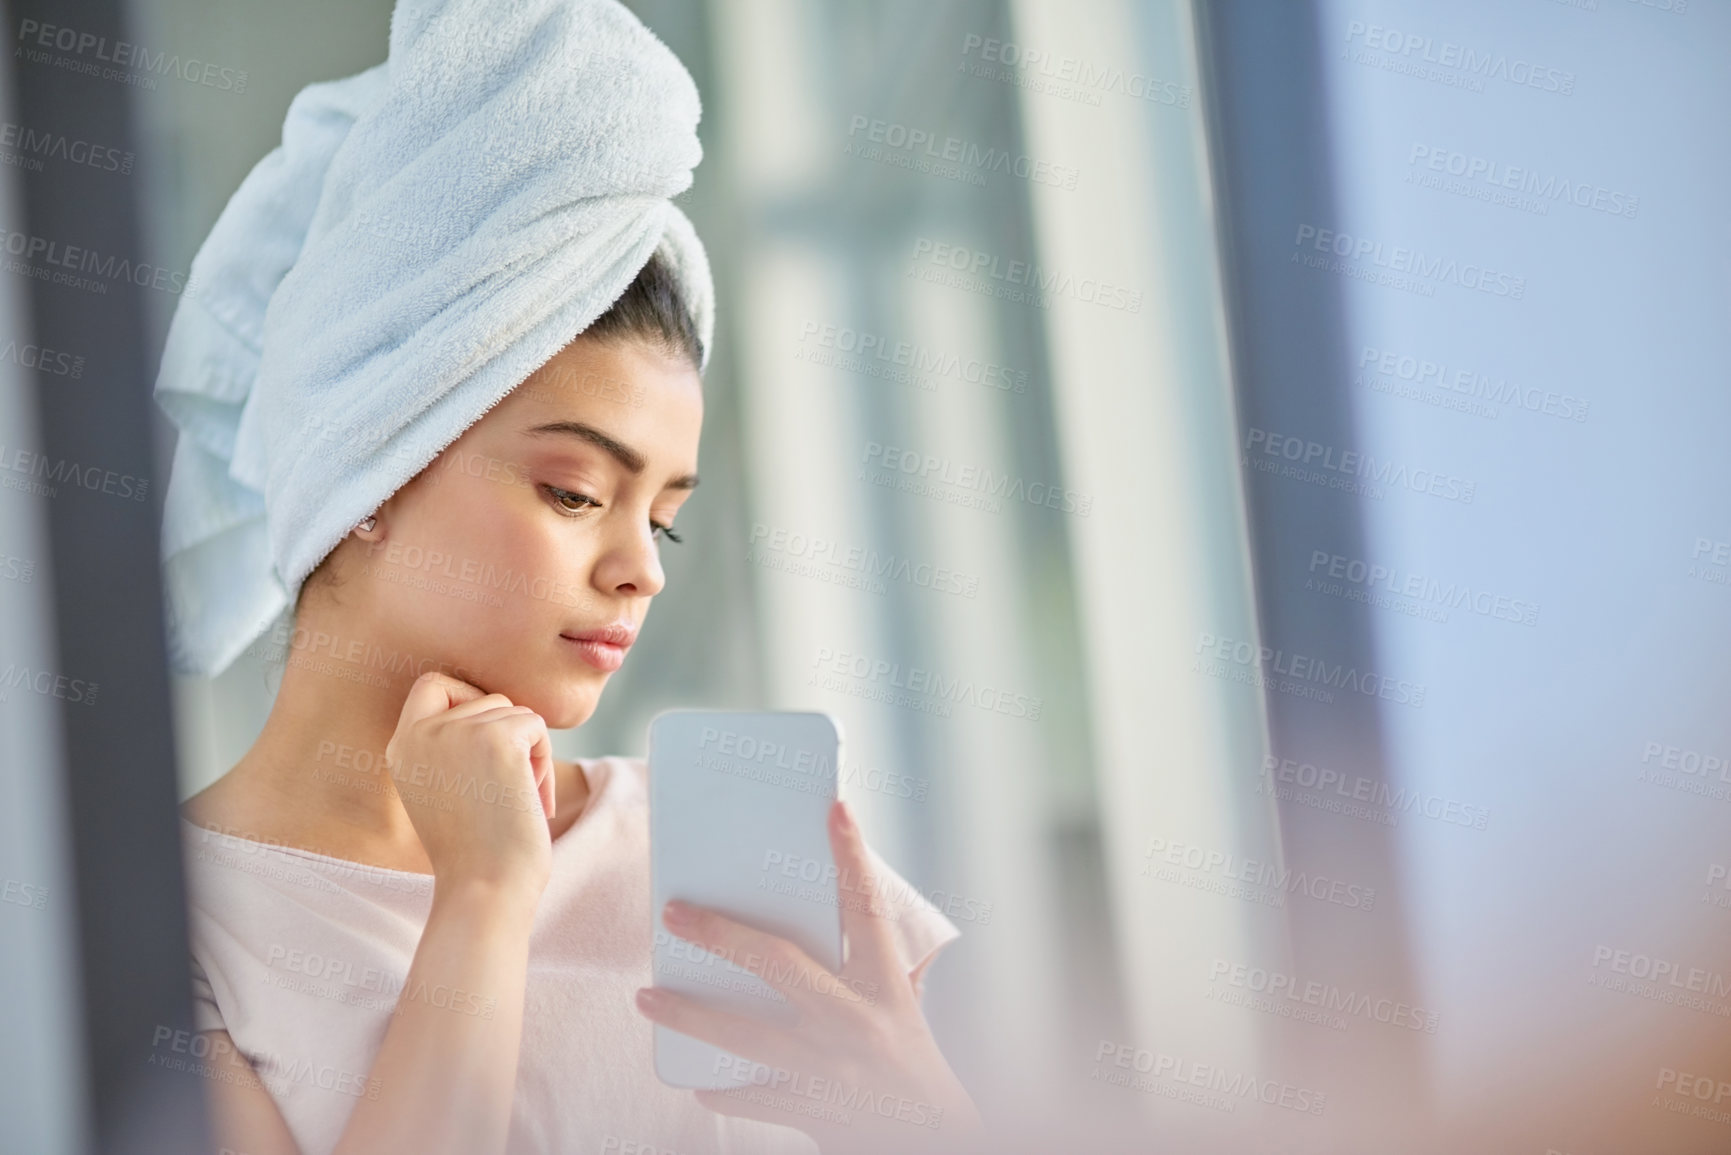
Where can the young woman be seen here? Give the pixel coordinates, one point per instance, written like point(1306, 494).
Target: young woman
point(513, 936)
point(413, 929)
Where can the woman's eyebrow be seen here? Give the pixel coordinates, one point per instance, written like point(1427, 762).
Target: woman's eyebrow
point(630, 458)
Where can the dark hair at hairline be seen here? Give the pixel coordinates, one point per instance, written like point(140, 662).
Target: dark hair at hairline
point(653, 309)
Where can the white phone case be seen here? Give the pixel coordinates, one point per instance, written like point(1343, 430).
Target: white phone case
point(738, 822)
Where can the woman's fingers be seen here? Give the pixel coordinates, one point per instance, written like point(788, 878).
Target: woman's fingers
point(866, 917)
point(775, 960)
point(481, 703)
point(512, 728)
point(530, 730)
point(541, 761)
point(434, 694)
point(749, 1038)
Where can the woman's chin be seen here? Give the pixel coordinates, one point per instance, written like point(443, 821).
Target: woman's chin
point(564, 700)
point(566, 707)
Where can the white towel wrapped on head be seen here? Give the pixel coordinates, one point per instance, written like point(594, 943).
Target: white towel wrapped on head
point(430, 232)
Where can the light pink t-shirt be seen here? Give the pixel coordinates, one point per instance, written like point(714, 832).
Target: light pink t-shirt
point(301, 958)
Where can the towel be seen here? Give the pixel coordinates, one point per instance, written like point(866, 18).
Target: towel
point(430, 232)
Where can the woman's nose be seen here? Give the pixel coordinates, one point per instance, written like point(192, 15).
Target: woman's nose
point(631, 563)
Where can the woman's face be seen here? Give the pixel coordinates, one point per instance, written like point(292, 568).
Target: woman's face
point(524, 558)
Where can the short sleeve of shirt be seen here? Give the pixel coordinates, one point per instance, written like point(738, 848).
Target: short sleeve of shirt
point(920, 929)
point(205, 1016)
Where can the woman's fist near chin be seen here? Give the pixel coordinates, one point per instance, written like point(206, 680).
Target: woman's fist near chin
point(475, 774)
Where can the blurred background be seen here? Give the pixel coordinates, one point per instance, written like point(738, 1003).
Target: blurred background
point(1294, 430)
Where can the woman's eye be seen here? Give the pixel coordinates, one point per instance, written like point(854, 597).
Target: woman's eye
point(569, 502)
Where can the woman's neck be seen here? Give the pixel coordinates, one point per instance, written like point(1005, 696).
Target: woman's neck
point(316, 777)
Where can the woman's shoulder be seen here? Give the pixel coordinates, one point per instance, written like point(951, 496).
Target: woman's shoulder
point(219, 805)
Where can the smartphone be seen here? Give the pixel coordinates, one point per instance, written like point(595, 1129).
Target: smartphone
point(738, 822)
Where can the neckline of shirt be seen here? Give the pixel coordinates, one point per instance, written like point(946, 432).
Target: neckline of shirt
point(350, 864)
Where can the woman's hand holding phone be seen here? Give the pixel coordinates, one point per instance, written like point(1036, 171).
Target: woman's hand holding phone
point(874, 1047)
point(475, 773)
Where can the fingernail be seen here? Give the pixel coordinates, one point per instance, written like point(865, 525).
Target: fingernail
point(845, 818)
point(676, 913)
point(648, 998)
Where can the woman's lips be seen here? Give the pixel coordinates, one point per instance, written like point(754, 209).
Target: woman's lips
point(604, 648)
point(604, 656)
